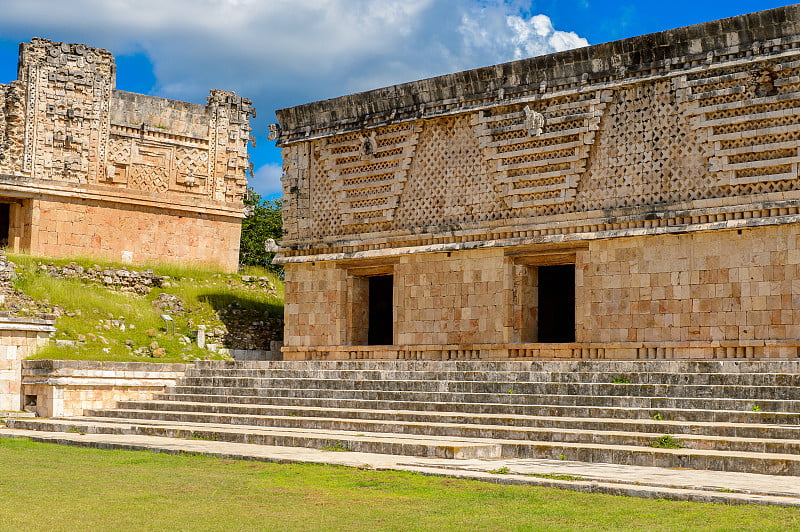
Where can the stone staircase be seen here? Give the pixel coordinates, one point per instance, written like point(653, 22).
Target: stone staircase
point(728, 415)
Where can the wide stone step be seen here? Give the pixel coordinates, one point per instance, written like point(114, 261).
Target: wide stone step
point(719, 460)
point(511, 377)
point(563, 366)
point(526, 388)
point(715, 414)
point(642, 435)
point(513, 398)
point(752, 429)
point(441, 447)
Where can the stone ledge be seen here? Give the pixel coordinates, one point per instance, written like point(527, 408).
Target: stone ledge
point(101, 365)
point(714, 350)
point(25, 187)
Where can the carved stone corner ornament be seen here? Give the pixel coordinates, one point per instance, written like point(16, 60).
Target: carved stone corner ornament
point(369, 144)
point(274, 132)
point(534, 122)
point(271, 246)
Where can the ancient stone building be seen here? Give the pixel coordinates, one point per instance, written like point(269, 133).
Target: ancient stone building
point(635, 199)
point(89, 170)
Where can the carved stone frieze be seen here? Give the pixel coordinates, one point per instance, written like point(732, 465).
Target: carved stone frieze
point(368, 172)
point(532, 167)
point(750, 119)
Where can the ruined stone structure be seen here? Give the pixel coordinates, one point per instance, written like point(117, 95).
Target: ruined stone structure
point(635, 199)
point(89, 170)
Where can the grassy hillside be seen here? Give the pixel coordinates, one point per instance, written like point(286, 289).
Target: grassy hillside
point(98, 320)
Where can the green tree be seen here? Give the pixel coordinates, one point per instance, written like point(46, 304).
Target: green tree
point(263, 222)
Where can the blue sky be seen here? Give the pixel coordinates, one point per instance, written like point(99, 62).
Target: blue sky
point(281, 53)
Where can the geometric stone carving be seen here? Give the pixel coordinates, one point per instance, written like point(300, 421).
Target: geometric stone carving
point(368, 172)
point(751, 120)
point(534, 168)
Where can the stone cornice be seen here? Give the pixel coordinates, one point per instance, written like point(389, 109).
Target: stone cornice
point(767, 34)
point(25, 187)
point(702, 215)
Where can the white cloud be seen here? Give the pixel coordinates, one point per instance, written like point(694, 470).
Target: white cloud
point(286, 52)
point(267, 180)
point(282, 53)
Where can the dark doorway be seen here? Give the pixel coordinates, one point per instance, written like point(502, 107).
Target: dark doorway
point(381, 310)
point(5, 223)
point(556, 304)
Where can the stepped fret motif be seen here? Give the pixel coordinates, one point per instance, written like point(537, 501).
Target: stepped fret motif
point(539, 151)
point(368, 172)
point(751, 118)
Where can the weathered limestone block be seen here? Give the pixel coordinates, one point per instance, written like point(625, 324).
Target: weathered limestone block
point(634, 199)
point(66, 134)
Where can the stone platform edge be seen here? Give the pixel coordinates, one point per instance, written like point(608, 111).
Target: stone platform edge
point(715, 350)
point(59, 388)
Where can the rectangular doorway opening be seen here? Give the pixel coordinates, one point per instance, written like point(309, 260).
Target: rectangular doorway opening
point(380, 329)
point(556, 304)
point(5, 223)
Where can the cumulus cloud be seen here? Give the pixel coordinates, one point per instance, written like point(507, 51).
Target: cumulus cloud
point(285, 52)
point(281, 53)
point(267, 179)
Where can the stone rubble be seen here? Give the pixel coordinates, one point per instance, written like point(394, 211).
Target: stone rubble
point(123, 279)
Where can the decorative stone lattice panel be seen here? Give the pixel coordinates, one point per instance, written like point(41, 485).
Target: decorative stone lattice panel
point(325, 216)
point(646, 153)
point(150, 168)
point(131, 158)
point(368, 171)
point(751, 118)
point(539, 150)
point(191, 165)
point(448, 182)
point(119, 159)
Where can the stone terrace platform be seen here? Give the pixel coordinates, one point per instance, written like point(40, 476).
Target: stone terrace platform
point(734, 425)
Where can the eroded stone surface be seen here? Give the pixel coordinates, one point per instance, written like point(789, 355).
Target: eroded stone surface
point(127, 176)
point(662, 168)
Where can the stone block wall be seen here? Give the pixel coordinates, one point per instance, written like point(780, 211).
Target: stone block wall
point(134, 233)
point(65, 132)
point(665, 169)
point(735, 285)
point(19, 339)
point(56, 388)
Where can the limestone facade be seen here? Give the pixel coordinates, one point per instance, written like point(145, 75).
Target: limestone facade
point(19, 339)
point(645, 189)
point(89, 170)
point(56, 388)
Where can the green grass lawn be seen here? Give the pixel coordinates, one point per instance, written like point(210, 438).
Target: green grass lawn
point(51, 487)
